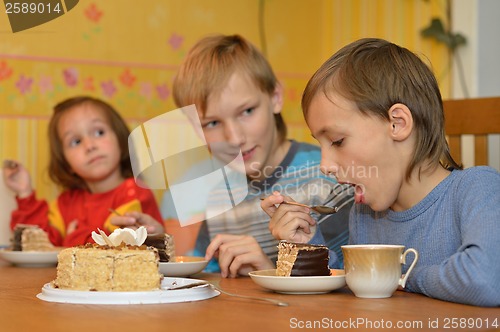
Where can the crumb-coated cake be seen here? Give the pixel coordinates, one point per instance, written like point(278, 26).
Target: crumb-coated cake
point(164, 243)
point(30, 238)
point(94, 267)
point(297, 259)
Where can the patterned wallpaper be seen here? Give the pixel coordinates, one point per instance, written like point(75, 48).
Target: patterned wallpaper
point(127, 51)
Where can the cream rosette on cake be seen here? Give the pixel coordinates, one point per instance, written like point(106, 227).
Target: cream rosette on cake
point(121, 235)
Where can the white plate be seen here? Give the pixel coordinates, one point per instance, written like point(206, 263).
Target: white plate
point(30, 258)
point(183, 266)
point(299, 285)
point(162, 295)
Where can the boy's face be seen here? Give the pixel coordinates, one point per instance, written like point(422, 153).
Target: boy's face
point(243, 116)
point(358, 149)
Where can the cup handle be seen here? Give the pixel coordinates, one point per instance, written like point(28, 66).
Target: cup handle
point(402, 280)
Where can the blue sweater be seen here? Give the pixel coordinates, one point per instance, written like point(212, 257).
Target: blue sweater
point(455, 229)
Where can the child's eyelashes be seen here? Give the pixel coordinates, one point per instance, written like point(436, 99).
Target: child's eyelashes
point(99, 132)
point(337, 142)
point(74, 142)
point(248, 111)
point(210, 124)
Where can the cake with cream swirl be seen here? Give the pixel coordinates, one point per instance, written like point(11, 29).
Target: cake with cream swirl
point(119, 262)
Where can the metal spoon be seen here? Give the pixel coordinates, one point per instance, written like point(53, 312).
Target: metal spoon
point(321, 209)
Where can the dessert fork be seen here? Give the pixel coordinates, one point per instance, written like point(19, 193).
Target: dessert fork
point(217, 288)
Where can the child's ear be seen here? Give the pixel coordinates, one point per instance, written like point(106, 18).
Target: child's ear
point(277, 98)
point(401, 122)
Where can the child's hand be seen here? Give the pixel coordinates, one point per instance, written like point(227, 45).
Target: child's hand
point(237, 254)
point(288, 222)
point(134, 220)
point(17, 178)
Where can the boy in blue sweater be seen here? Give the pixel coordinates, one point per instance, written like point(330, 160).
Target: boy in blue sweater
point(377, 112)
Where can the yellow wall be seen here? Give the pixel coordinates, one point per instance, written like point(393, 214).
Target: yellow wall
point(127, 51)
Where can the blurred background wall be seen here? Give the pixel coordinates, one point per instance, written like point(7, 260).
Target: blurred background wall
point(127, 52)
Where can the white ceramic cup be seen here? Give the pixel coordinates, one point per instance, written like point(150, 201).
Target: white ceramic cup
point(374, 270)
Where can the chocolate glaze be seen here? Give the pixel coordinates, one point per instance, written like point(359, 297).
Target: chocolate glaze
point(16, 238)
point(158, 241)
point(311, 262)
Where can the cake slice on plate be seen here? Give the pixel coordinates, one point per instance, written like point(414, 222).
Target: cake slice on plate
point(30, 238)
point(119, 263)
point(298, 259)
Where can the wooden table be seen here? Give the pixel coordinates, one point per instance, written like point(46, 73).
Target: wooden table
point(340, 310)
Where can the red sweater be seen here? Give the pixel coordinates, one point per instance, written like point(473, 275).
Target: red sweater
point(91, 211)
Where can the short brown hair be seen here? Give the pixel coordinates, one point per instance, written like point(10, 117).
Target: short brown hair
point(59, 169)
point(210, 63)
point(376, 74)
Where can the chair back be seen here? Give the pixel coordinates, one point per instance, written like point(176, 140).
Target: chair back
point(473, 116)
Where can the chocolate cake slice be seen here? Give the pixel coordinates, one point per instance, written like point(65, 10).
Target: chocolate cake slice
point(298, 259)
point(165, 245)
point(30, 238)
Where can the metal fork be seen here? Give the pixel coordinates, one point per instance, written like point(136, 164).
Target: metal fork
point(257, 298)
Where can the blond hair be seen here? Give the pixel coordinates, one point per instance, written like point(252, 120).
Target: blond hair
point(209, 65)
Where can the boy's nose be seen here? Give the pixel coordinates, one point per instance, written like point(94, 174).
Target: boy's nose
point(235, 134)
point(329, 167)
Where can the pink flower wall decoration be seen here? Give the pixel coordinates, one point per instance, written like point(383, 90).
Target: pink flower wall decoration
point(24, 84)
point(70, 77)
point(163, 91)
point(175, 41)
point(108, 88)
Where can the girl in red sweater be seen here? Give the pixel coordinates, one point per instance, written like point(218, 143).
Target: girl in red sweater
point(89, 160)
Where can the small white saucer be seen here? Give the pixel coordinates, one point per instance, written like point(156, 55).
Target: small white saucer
point(183, 266)
point(299, 285)
point(30, 258)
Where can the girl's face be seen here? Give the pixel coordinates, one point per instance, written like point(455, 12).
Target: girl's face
point(243, 117)
point(358, 149)
point(90, 147)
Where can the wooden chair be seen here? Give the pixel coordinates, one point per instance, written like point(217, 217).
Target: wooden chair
point(473, 116)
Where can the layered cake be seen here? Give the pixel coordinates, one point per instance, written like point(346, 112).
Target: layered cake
point(118, 262)
point(93, 267)
point(297, 259)
point(30, 238)
point(165, 245)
